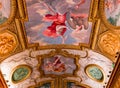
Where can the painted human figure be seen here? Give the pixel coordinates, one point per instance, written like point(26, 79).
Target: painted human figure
point(110, 5)
point(58, 26)
point(81, 2)
point(55, 66)
point(58, 65)
point(78, 21)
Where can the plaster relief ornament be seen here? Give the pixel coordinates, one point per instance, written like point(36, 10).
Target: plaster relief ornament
point(7, 43)
point(109, 42)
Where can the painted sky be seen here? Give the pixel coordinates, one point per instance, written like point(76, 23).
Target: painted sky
point(36, 25)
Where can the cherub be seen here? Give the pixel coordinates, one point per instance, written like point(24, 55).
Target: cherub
point(81, 2)
point(110, 5)
point(55, 66)
point(78, 21)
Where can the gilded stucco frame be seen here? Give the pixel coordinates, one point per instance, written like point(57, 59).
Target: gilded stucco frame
point(58, 52)
point(23, 16)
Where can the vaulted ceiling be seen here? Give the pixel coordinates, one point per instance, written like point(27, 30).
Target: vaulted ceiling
point(59, 43)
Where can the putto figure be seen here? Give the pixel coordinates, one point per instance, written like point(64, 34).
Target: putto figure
point(56, 66)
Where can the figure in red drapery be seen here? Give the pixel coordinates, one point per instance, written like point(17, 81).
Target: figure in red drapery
point(58, 27)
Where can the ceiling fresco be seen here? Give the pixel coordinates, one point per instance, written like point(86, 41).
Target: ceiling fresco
point(4, 10)
point(93, 62)
point(59, 43)
point(112, 8)
point(52, 22)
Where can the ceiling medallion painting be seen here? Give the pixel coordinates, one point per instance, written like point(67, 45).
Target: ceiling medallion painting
point(95, 72)
point(20, 73)
point(8, 43)
point(58, 22)
point(7, 11)
point(58, 63)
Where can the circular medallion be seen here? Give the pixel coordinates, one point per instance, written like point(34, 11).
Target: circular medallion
point(21, 73)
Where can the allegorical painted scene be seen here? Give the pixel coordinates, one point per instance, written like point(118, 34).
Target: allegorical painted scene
point(112, 10)
point(58, 22)
point(4, 10)
point(58, 65)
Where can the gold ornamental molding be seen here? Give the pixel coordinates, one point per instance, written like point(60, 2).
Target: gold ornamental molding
point(109, 43)
point(22, 9)
point(93, 10)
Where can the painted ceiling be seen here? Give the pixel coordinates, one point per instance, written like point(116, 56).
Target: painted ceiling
point(59, 43)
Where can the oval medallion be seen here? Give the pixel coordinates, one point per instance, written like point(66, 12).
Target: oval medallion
point(21, 73)
point(95, 72)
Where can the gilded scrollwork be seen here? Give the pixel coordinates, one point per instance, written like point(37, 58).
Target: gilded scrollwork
point(109, 43)
point(8, 43)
